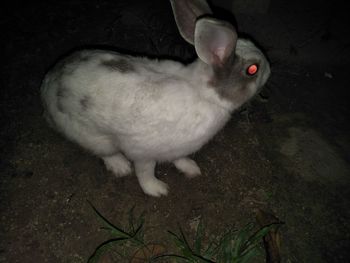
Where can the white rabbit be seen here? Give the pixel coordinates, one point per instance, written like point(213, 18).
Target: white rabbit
point(124, 108)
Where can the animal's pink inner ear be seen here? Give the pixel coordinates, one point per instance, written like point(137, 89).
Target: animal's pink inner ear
point(214, 40)
point(186, 13)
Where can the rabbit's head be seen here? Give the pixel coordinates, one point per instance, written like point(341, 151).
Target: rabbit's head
point(239, 68)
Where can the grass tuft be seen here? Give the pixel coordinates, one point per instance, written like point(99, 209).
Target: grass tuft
point(234, 246)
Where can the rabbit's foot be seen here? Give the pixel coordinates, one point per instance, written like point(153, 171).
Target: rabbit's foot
point(117, 164)
point(188, 167)
point(154, 187)
point(148, 182)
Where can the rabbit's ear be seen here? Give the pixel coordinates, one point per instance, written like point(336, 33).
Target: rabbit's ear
point(186, 13)
point(214, 40)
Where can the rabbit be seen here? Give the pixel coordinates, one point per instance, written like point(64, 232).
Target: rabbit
point(125, 108)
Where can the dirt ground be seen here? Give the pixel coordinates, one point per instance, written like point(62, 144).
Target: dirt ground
point(286, 152)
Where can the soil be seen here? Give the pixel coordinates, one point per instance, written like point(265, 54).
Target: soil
point(286, 152)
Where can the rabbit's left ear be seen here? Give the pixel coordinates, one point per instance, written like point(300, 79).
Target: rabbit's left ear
point(214, 40)
point(186, 12)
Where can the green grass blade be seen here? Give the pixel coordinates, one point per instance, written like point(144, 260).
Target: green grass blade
point(256, 238)
point(227, 247)
point(181, 245)
point(102, 248)
point(131, 220)
point(184, 239)
point(138, 230)
point(241, 238)
point(261, 233)
point(174, 256)
point(199, 258)
point(212, 249)
point(223, 246)
point(199, 238)
point(115, 231)
point(248, 256)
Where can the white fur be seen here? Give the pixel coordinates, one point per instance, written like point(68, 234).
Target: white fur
point(117, 164)
point(188, 167)
point(161, 111)
point(157, 115)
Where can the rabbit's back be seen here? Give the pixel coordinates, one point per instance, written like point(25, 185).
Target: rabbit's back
point(109, 102)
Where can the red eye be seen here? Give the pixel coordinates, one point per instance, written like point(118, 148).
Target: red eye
point(252, 69)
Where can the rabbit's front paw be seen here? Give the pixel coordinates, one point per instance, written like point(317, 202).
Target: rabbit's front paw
point(149, 183)
point(154, 187)
point(188, 167)
point(117, 164)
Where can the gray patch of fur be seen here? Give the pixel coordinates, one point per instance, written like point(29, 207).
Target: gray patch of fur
point(231, 81)
point(61, 94)
point(85, 103)
point(66, 67)
point(121, 65)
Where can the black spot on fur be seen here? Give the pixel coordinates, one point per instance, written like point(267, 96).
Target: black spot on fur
point(121, 65)
point(85, 103)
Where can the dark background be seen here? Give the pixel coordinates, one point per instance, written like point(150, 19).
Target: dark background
point(287, 151)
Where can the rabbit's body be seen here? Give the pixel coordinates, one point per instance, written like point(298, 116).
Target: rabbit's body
point(125, 108)
point(147, 109)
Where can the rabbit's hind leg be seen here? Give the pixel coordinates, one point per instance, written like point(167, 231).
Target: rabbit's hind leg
point(117, 164)
point(188, 167)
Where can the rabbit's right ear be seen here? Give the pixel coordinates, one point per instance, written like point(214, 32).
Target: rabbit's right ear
point(186, 13)
point(214, 40)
